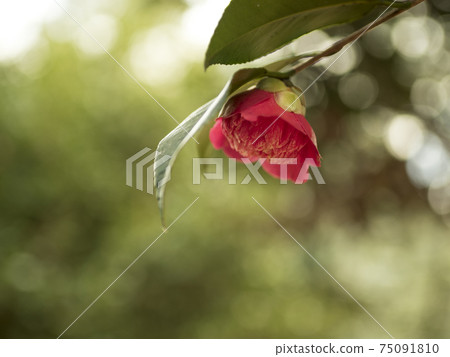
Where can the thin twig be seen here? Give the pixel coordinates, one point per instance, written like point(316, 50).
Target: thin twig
point(336, 47)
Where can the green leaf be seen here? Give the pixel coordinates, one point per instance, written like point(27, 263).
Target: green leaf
point(170, 146)
point(250, 29)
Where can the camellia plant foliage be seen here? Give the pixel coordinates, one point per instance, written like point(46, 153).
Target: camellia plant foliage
point(259, 114)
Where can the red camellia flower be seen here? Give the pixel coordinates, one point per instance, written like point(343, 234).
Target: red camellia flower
point(267, 123)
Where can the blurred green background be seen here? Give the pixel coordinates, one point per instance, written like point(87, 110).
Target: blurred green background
point(70, 117)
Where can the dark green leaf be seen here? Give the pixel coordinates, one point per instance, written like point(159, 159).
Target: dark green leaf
point(250, 29)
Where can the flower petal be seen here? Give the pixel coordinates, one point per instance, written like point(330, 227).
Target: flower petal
point(299, 172)
point(245, 101)
point(299, 122)
point(291, 172)
point(220, 142)
point(258, 103)
point(310, 151)
point(216, 136)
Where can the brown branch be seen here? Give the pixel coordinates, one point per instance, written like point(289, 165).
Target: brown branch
point(336, 47)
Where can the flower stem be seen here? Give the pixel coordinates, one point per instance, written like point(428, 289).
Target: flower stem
point(339, 45)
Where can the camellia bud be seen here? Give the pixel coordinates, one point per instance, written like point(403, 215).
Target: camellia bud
point(267, 123)
point(287, 96)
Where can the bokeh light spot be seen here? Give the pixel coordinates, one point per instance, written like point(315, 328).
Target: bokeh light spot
point(358, 90)
point(404, 136)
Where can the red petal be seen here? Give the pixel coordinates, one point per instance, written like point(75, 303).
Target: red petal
point(216, 136)
point(294, 172)
point(258, 103)
point(310, 152)
point(219, 141)
point(246, 100)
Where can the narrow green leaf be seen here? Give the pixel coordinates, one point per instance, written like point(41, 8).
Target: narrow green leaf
point(250, 29)
point(170, 146)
